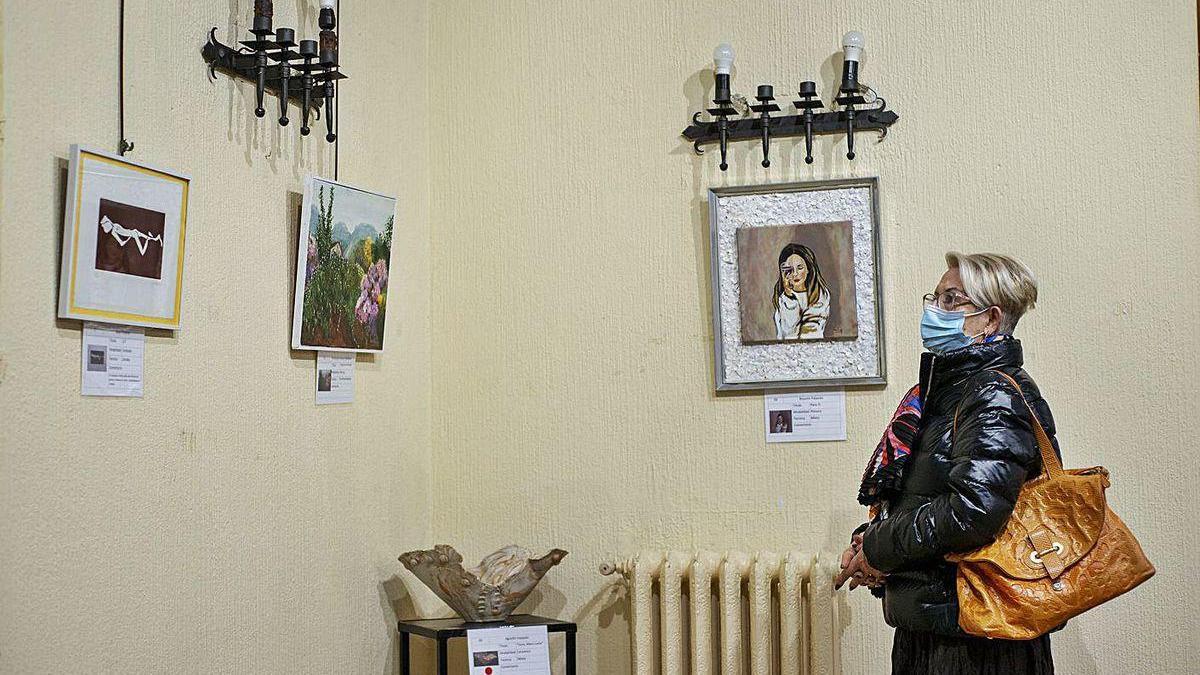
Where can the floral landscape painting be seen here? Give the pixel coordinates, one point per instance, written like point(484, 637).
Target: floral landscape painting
point(342, 268)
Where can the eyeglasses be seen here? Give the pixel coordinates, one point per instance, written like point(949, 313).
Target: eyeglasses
point(947, 300)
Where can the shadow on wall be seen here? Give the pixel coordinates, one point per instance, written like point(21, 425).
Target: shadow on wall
point(397, 603)
point(243, 127)
point(543, 600)
point(609, 604)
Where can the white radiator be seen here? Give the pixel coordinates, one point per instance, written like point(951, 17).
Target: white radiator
point(800, 636)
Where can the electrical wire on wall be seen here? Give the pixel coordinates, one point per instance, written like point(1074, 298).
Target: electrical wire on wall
point(337, 99)
point(123, 144)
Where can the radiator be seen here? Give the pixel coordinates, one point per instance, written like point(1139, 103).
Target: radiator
point(801, 636)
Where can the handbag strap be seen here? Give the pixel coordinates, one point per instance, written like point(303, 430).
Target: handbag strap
point(1039, 537)
point(1051, 465)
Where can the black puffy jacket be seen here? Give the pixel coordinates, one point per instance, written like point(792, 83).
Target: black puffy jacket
point(959, 488)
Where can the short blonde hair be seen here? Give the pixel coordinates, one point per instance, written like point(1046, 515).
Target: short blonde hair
point(994, 280)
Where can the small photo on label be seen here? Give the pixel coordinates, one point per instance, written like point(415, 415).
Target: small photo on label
point(781, 421)
point(487, 658)
point(324, 379)
point(97, 359)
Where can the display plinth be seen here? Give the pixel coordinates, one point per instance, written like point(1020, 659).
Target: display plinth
point(442, 630)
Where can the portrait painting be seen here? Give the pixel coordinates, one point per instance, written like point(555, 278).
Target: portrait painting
point(123, 242)
point(342, 268)
point(797, 282)
point(796, 286)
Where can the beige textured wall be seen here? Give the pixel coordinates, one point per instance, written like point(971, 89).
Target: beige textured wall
point(572, 387)
point(268, 545)
point(553, 262)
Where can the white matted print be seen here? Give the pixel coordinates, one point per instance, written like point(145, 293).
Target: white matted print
point(343, 264)
point(837, 339)
point(123, 242)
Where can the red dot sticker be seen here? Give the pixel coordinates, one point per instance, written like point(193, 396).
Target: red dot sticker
point(488, 670)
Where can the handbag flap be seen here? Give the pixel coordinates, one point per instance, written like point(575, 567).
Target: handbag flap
point(1071, 508)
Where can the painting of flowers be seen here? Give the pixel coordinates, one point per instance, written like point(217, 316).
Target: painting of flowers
point(342, 268)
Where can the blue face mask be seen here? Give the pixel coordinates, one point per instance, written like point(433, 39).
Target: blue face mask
point(942, 330)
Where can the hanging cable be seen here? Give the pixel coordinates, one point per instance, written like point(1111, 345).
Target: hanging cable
point(337, 100)
point(123, 145)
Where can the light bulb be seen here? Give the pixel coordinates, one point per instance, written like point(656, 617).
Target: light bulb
point(723, 58)
point(327, 4)
point(852, 44)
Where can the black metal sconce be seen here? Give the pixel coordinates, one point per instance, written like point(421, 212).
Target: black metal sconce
point(808, 103)
point(723, 58)
point(766, 94)
point(849, 120)
point(307, 76)
point(852, 45)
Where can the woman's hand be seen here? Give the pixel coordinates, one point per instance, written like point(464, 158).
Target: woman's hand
point(858, 570)
point(848, 554)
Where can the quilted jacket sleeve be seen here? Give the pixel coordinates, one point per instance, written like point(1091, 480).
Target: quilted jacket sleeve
point(992, 451)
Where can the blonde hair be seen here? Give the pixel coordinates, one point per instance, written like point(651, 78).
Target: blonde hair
point(994, 280)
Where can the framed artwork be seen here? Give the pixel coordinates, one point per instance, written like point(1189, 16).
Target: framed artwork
point(123, 241)
point(342, 268)
point(797, 285)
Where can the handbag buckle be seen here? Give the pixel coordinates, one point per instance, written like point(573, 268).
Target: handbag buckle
point(1036, 556)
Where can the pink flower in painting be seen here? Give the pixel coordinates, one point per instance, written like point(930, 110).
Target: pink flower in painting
point(373, 286)
point(366, 310)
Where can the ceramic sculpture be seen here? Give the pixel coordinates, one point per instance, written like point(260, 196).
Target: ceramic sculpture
point(488, 592)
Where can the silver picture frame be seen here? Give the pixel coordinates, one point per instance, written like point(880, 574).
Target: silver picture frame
point(868, 348)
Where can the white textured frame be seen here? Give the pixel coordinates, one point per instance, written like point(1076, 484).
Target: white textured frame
point(804, 364)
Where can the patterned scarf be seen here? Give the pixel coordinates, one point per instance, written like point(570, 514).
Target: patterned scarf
point(881, 480)
point(882, 477)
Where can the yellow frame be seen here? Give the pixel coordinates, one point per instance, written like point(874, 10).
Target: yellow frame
point(125, 317)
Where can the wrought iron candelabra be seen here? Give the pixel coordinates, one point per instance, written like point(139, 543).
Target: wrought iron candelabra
point(850, 119)
point(307, 76)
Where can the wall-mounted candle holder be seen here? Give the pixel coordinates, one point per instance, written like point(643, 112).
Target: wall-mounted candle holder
point(850, 119)
point(766, 94)
point(307, 76)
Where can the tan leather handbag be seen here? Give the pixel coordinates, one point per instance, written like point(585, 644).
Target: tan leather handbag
point(1062, 552)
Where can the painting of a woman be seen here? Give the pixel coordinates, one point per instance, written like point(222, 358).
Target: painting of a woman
point(801, 297)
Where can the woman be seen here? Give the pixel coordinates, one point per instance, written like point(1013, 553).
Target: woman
point(956, 488)
point(801, 298)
